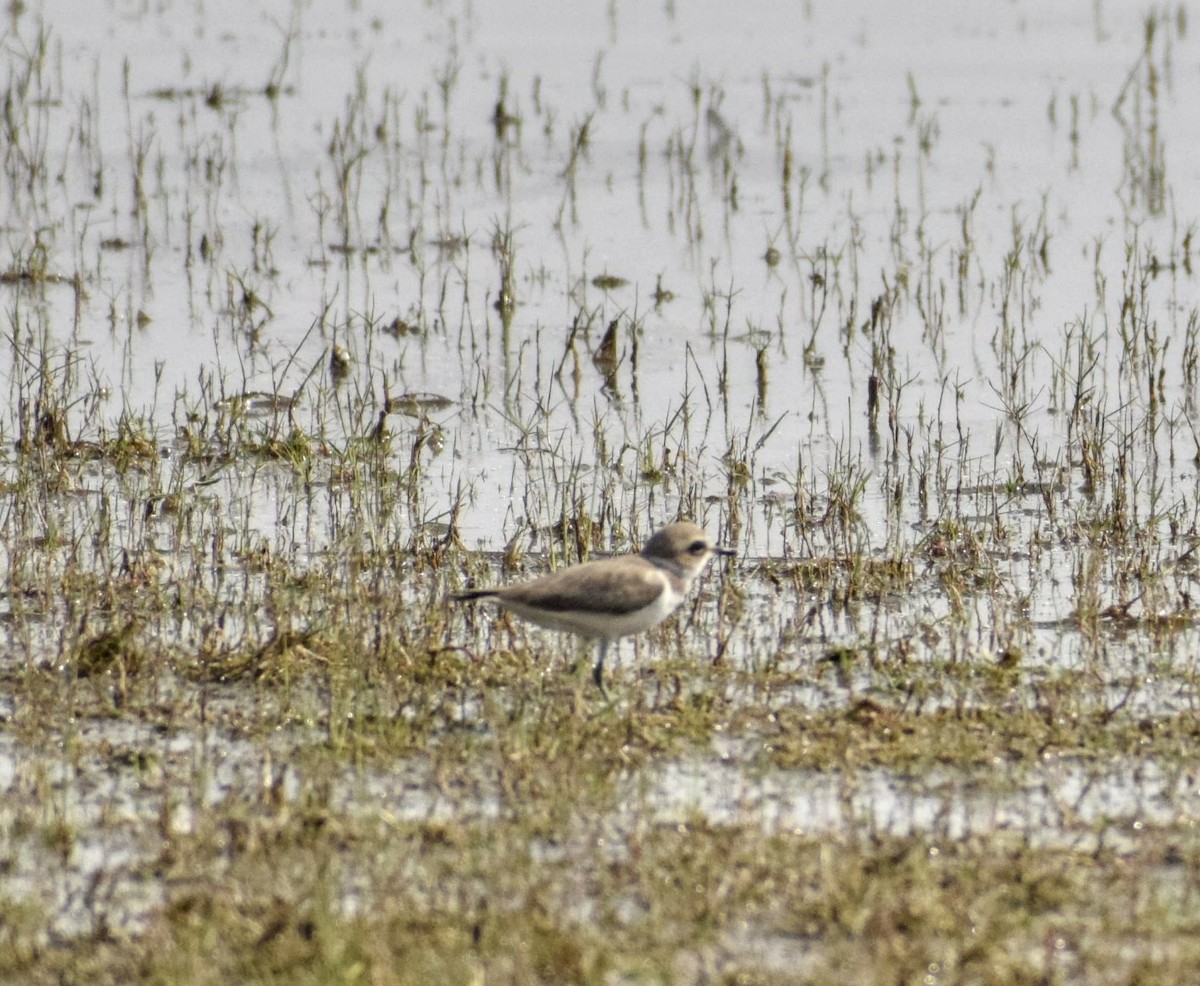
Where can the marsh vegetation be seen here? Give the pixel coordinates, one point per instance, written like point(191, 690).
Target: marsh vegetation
point(314, 317)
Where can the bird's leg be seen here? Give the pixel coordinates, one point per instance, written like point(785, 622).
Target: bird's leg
point(598, 670)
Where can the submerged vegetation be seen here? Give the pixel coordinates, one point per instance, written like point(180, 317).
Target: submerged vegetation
point(301, 340)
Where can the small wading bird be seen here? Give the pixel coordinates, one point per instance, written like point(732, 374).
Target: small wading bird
point(613, 597)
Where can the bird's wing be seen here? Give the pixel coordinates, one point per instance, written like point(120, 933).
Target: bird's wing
point(594, 587)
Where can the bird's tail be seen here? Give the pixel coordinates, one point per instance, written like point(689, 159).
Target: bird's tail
point(462, 597)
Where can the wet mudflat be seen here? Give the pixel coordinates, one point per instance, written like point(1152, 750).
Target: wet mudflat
point(314, 316)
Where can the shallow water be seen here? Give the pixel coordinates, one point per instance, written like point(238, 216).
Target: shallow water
point(899, 126)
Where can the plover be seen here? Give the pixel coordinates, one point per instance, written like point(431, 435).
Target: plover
point(613, 597)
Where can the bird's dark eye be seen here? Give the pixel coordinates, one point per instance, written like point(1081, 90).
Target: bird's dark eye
point(698, 547)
